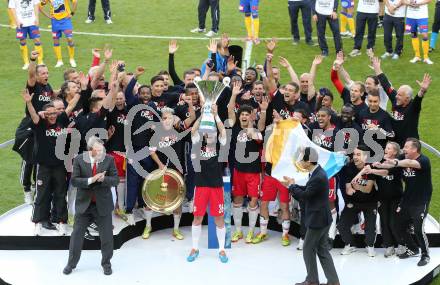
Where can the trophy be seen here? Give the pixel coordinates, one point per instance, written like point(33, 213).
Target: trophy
point(210, 91)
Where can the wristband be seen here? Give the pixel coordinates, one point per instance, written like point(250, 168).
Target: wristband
point(217, 119)
point(263, 111)
point(396, 162)
point(263, 74)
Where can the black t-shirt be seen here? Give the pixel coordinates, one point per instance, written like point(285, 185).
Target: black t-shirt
point(325, 139)
point(168, 146)
point(46, 139)
point(211, 173)
point(85, 122)
point(118, 119)
point(285, 110)
point(304, 97)
point(381, 119)
point(406, 120)
point(390, 187)
point(250, 147)
point(418, 183)
point(167, 99)
point(43, 94)
point(350, 172)
point(347, 135)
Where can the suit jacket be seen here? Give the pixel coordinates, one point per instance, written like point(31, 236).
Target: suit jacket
point(315, 197)
point(82, 171)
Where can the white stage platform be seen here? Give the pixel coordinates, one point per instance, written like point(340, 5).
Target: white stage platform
point(162, 259)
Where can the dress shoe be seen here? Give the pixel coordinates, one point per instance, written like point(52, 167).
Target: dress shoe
point(49, 226)
point(68, 269)
point(307, 283)
point(108, 270)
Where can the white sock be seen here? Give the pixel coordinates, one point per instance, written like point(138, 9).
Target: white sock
point(148, 214)
point(263, 225)
point(221, 235)
point(253, 216)
point(237, 212)
point(71, 196)
point(120, 191)
point(196, 232)
point(286, 227)
point(176, 221)
point(332, 230)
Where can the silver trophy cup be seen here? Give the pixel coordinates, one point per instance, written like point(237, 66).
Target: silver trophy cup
point(210, 91)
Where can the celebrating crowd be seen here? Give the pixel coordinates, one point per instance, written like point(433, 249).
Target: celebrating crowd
point(157, 125)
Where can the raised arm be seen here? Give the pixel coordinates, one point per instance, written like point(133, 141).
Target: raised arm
point(192, 114)
point(32, 69)
point(172, 49)
point(263, 114)
point(286, 64)
point(101, 69)
point(236, 89)
point(72, 104)
point(28, 100)
point(271, 85)
point(312, 90)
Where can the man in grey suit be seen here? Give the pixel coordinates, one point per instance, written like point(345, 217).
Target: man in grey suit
point(94, 173)
point(318, 219)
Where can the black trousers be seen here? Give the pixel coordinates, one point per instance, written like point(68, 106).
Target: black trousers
point(105, 8)
point(27, 174)
point(306, 12)
point(388, 222)
point(397, 24)
point(50, 184)
point(316, 244)
point(415, 215)
point(436, 24)
point(215, 13)
point(349, 218)
point(105, 235)
point(302, 224)
point(363, 19)
point(334, 27)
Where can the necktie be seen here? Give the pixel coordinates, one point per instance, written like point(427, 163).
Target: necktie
point(93, 174)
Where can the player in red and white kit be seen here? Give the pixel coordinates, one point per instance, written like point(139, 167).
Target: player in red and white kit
point(247, 164)
point(209, 184)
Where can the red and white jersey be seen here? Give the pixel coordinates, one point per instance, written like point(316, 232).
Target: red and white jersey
point(25, 11)
point(420, 12)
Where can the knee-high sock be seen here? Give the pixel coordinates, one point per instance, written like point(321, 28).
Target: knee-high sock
point(248, 24)
point(221, 236)
point(237, 213)
point(253, 216)
point(71, 50)
point(434, 36)
point(256, 23)
point(148, 214)
point(57, 50)
point(11, 18)
point(120, 190)
point(196, 231)
point(343, 17)
point(71, 196)
point(39, 48)
point(263, 225)
point(176, 221)
point(332, 230)
point(350, 21)
point(425, 47)
point(24, 53)
point(286, 227)
point(416, 46)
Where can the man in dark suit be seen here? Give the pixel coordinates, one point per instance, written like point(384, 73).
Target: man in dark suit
point(317, 218)
point(94, 173)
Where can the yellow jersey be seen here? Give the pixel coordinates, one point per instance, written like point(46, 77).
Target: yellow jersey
point(59, 9)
